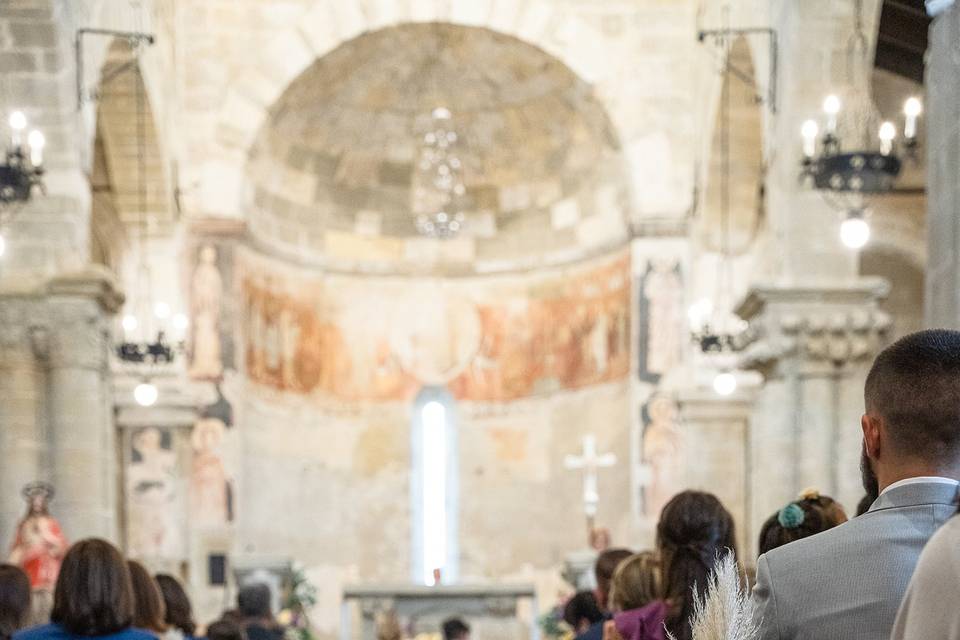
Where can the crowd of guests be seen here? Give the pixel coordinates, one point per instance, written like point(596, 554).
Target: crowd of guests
point(819, 576)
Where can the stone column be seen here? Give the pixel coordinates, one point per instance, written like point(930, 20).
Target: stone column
point(717, 446)
point(83, 450)
point(813, 346)
point(943, 170)
point(22, 429)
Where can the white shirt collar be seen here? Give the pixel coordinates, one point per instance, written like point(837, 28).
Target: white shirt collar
point(921, 480)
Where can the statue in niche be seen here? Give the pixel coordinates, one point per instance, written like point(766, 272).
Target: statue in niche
point(666, 323)
point(39, 544)
point(662, 448)
point(152, 492)
point(206, 298)
point(210, 494)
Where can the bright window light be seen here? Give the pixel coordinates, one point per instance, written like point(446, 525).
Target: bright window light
point(434, 417)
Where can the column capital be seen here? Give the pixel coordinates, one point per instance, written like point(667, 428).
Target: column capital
point(93, 282)
point(814, 327)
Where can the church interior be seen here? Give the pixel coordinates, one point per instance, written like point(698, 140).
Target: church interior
point(420, 304)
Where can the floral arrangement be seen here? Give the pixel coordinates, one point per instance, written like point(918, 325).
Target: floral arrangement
point(552, 624)
point(726, 611)
point(301, 597)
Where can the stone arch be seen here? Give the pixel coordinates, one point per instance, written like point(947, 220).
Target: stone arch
point(746, 134)
point(330, 23)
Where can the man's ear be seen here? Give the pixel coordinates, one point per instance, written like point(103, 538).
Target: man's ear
point(871, 434)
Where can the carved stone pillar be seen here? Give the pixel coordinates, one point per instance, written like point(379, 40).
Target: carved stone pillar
point(83, 451)
point(813, 347)
point(22, 423)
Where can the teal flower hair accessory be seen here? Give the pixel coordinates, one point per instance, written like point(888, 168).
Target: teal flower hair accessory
point(791, 516)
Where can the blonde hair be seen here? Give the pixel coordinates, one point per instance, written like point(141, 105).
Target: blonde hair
point(636, 582)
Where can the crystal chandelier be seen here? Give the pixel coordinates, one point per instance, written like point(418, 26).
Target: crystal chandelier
point(22, 168)
point(438, 186)
point(849, 153)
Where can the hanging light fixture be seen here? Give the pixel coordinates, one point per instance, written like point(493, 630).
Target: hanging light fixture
point(714, 329)
point(850, 153)
point(438, 187)
point(21, 171)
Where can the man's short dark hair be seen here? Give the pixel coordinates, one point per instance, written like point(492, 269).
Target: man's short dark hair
point(607, 563)
point(582, 606)
point(253, 600)
point(914, 385)
point(94, 596)
point(455, 629)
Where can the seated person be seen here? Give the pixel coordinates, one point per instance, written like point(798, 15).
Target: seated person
point(603, 570)
point(456, 629)
point(257, 616)
point(582, 612)
point(638, 610)
point(811, 514)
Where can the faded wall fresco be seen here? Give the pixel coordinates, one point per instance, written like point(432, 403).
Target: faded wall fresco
point(486, 339)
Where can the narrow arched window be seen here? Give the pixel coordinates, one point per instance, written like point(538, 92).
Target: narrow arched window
point(434, 487)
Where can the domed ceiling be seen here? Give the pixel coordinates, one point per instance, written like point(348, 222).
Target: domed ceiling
point(337, 170)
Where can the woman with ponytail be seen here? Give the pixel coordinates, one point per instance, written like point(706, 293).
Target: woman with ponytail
point(695, 531)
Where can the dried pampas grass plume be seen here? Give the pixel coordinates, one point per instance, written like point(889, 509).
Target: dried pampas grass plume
point(726, 611)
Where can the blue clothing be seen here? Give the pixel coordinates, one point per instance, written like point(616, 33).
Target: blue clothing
point(595, 632)
point(56, 632)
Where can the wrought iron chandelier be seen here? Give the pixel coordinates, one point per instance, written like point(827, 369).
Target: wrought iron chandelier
point(438, 187)
point(21, 171)
point(849, 153)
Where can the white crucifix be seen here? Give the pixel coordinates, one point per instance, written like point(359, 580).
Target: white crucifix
point(591, 463)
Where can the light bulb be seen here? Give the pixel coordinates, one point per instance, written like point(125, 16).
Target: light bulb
point(441, 113)
point(912, 108)
point(181, 321)
point(146, 394)
point(699, 312)
point(130, 323)
point(887, 133)
point(37, 142)
point(725, 383)
point(855, 232)
point(161, 310)
point(18, 121)
point(831, 107)
point(809, 131)
point(3, 245)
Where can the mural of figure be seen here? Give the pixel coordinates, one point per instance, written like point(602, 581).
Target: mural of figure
point(662, 448)
point(210, 496)
point(666, 323)
point(206, 298)
point(152, 494)
point(39, 545)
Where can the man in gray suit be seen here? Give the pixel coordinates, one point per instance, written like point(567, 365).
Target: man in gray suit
point(847, 583)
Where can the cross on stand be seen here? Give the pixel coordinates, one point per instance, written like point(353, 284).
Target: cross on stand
point(591, 463)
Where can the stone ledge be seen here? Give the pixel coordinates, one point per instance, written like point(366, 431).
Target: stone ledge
point(93, 281)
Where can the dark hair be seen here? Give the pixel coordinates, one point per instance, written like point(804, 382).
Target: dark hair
point(865, 503)
point(225, 629)
point(582, 606)
point(801, 519)
point(148, 609)
point(606, 565)
point(454, 629)
point(914, 385)
point(253, 600)
point(14, 600)
point(179, 613)
point(93, 596)
point(694, 531)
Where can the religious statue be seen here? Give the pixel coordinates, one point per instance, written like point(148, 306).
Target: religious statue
point(206, 297)
point(152, 491)
point(666, 323)
point(39, 545)
point(662, 447)
point(209, 488)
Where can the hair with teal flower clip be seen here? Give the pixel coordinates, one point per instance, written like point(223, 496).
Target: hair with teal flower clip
point(791, 516)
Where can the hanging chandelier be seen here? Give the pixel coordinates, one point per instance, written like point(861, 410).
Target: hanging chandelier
point(21, 170)
point(849, 153)
point(438, 187)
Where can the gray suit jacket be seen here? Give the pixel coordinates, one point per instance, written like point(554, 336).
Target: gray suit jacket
point(847, 583)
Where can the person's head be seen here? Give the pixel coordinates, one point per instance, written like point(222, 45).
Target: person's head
point(694, 530)
point(14, 600)
point(807, 516)
point(582, 611)
point(606, 564)
point(225, 629)
point(179, 613)
point(253, 600)
point(912, 422)
point(636, 582)
point(94, 595)
point(455, 629)
point(149, 611)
